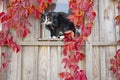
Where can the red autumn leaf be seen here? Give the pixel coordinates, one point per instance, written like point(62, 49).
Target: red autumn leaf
point(2, 14)
point(84, 37)
point(36, 13)
point(49, 1)
point(112, 61)
point(118, 41)
point(68, 74)
point(118, 56)
point(65, 50)
point(74, 67)
point(89, 24)
point(62, 75)
point(84, 5)
point(65, 60)
point(71, 17)
point(4, 55)
point(118, 76)
point(91, 15)
point(23, 32)
point(86, 31)
point(16, 48)
point(71, 46)
point(80, 55)
point(117, 18)
point(113, 69)
point(72, 4)
point(83, 75)
point(4, 65)
point(118, 6)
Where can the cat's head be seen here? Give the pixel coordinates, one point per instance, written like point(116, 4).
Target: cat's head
point(49, 18)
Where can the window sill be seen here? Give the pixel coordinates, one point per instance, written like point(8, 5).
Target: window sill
point(49, 39)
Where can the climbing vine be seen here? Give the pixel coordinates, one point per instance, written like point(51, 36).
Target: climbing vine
point(17, 19)
point(82, 16)
point(115, 61)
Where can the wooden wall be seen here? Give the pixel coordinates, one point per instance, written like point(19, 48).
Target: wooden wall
point(41, 59)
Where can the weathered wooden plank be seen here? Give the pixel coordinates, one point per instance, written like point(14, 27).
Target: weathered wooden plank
point(29, 63)
point(110, 54)
point(44, 43)
point(36, 58)
point(5, 72)
point(54, 60)
point(102, 64)
point(60, 43)
point(96, 63)
point(107, 33)
point(95, 38)
point(19, 63)
point(1, 9)
point(105, 43)
point(59, 59)
point(43, 63)
point(13, 70)
point(37, 29)
point(102, 38)
point(49, 63)
point(30, 37)
point(89, 65)
point(117, 27)
point(14, 67)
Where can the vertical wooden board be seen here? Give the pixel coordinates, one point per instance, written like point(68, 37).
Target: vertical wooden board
point(95, 38)
point(82, 64)
point(43, 63)
point(117, 12)
point(19, 63)
point(107, 32)
point(29, 63)
point(4, 72)
point(103, 64)
point(89, 65)
point(49, 63)
point(59, 59)
point(12, 67)
point(37, 29)
point(109, 15)
point(54, 58)
point(96, 63)
point(13, 70)
point(109, 54)
point(30, 36)
point(106, 13)
point(1, 9)
point(62, 64)
point(36, 58)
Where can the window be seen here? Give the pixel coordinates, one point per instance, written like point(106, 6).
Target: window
point(56, 6)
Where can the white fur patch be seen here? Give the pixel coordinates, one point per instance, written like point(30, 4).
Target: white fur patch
point(61, 37)
point(54, 37)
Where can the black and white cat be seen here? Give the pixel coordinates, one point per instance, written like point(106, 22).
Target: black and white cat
point(57, 23)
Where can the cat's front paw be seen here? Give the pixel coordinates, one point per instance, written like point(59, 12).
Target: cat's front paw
point(54, 37)
point(61, 37)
